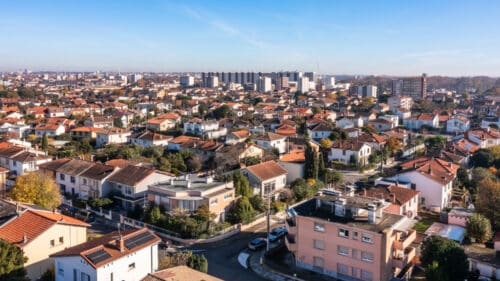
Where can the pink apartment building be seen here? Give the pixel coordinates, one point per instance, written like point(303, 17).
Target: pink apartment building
point(350, 237)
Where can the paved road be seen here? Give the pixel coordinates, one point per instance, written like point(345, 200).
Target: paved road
point(223, 255)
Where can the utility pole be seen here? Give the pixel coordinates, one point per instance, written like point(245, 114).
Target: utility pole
point(268, 221)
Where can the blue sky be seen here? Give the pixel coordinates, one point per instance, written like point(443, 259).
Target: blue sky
point(443, 37)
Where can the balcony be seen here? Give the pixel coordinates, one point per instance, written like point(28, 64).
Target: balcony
point(400, 261)
point(403, 240)
point(291, 226)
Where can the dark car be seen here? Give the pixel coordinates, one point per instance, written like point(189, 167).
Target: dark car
point(277, 233)
point(257, 243)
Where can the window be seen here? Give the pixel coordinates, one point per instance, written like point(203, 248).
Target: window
point(366, 256)
point(354, 254)
point(61, 176)
point(342, 269)
point(284, 180)
point(318, 262)
point(72, 179)
point(52, 243)
point(319, 227)
point(228, 196)
point(84, 277)
point(355, 271)
point(343, 233)
point(343, 251)
point(84, 181)
point(366, 275)
point(319, 244)
point(367, 238)
point(60, 270)
point(213, 201)
point(111, 276)
point(131, 266)
point(355, 235)
point(61, 239)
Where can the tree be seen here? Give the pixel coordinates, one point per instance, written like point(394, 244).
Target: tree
point(241, 212)
point(479, 228)
point(194, 163)
point(325, 143)
point(482, 158)
point(393, 145)
point(311, 165)
point(450, 258)
point(45, 142)
point(435, 145)
point(48, 275)
point(488, 200)
point(434, 273)
point(241, 184)
point(223, 111)
point(153, 215)
point(36, 188)
point(302, 189)
point(258, 203)
point(316, 109)
point(12, 261)
point(198, 262)
point(117, 122)
point(174, 259)
point(97, 203)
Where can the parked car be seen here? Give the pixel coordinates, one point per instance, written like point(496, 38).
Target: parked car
point(257, 243)
point(277, 233)
point(85, 216)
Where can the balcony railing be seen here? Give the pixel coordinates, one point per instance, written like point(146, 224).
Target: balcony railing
point(404, 240)
point(403, 260)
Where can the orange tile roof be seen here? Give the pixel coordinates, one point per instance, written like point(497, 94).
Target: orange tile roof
point(296, 155)
point(434, 168)
point(267, 170)
point(31, 224)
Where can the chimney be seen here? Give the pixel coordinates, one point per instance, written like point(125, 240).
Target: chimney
point(120, 243)
point(371, 213)
point(25, 238)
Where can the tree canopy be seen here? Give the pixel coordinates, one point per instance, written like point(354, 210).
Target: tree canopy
point(36, 188)
point(488, 200)
point(241, 212)
point(479, 228)
point(452, 262)
point(12, 261)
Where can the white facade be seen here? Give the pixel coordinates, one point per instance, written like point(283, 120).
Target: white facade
point(132, 267)
point(51, 133)
point(457, 125)
point(102, 139)
point(187, 81)
point(404, 102)
point(303, 85)
point(264, 84)
point(344, 155)
point(416, 124)
point(263, 188)
point(295, 170)
point(280, 144)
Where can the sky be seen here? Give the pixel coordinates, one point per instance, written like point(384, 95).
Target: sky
point(400, 37)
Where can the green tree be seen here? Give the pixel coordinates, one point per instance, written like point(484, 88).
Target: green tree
point(448, 254)
point(45, 142)
point(198, 262)
point(97, 203)
point(241, 184)
point(223, 111)
point(488, 200)
point(482, 158)
point(479, 228)
point(241, 212)
point(153, 214)
point(435, 145)
point(117, 122)
point(258, 203)
point(316, 109)
point(194, 163)
point(302, 189)
point(311, 166)
point(434, 273)
point(36, 188)
point(48, 275)
point(12, 261)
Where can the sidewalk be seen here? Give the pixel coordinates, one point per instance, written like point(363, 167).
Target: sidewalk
point(264, 271)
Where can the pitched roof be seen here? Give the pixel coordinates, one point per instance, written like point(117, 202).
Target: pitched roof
point(31, 224)
point(269, 136)
point(131, 175)
point(74, 167)
point(394, 194)
point(107, 246)
point(267, 170)
point(349, 144)
point(121, 163)
point(179, 273)
point(433, 168)
point(98, 171)
point(294, 156)
point(54, 164)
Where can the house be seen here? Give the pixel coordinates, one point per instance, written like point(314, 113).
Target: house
point(350, 237)
point(67, 176)
point(189, 192)
point(319, 131)
point(232, 155)
point(49, 168)
point(112, 136)
point(457, 124)
point(85, 132)
point(433, 177)
point(132, 182)
point(179, 273)
point(271, 140)
point(294, 164)
point(402, 201)
point(237, 136)
point(50, 130)
point(350, 151)
point(119, 255)
point(163, 122)
point(404, 102)
point(267, 178)
point(3, 180)
point(150, 138)
point(99, 122)
point(484, 260)
point(375, 141)
point(423, 119)
point(349, 122)
point(485, 138)
point(93, 182)
point(20, 160)
point(40, 234)
point(402, 113)
point(205, 128)
point(286, 130)
point(126, 116)
point(177, 143)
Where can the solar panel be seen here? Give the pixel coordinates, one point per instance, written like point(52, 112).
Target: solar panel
point(98, 256)
point(138, 240)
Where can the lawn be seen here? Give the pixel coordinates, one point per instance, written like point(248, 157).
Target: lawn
point(426, 221)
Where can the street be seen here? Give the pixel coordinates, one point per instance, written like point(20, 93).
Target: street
point(223, 255)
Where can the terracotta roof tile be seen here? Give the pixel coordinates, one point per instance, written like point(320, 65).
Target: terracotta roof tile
point(267, 170)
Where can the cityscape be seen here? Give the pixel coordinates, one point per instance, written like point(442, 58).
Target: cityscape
point(197, 140)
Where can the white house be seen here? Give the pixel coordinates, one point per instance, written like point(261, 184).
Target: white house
point(207, 128)
point(485, 138)
point(271, 140)
point(433, 177)
point(267, 178)
point(457, 124)
point(93, 182)
point(112, 136)
point(424, 119)
point(294, 164)
point(350, 151)
point(21, 160)
point(50, 130)
point(67, 176)
point(350, 122)
point(319, 131)
point(149, 139)
point(405, 102)
point(126, 255)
